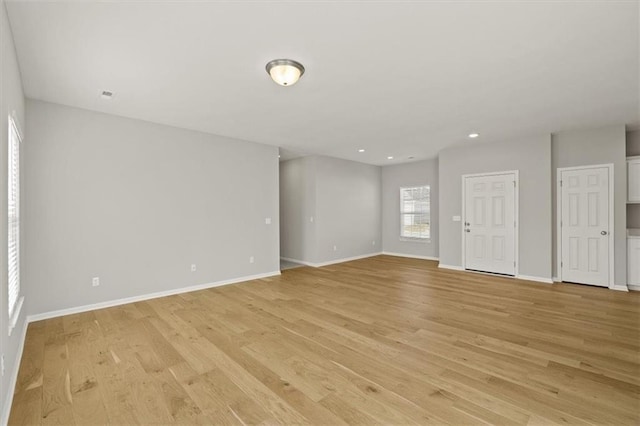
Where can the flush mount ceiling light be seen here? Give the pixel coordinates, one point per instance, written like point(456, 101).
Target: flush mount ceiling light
point(285, 72)
point(390, 158)
point(474, 135)
point(361, 150)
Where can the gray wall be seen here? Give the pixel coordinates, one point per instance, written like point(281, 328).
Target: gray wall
point(633, 216)
point(603, 145)
point(632, 143)
point(137, 203)
point(11, 99)
point(633, 149)
point(342, 197)
point(348, 209)
point(393, 178)
point(297, 208)
point(532, 157)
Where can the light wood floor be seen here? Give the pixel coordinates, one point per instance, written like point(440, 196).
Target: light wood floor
point(383, 340)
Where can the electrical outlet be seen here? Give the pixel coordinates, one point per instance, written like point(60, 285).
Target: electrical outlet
point(2, 364)
point(311, 219)
point(95, 282)
point(267, 220)
point(193, 267)
point(373, 243)
point(251, 259)
point(335, 248)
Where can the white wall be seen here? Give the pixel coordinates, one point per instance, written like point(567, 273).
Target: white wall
point(342, 197)
point(633, 149)
point(393, 178)
point(602, 145)
point(136, 204)
point(11, 99)
point(532, 157)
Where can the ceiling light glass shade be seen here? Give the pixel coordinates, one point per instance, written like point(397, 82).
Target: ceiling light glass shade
point(285, 72)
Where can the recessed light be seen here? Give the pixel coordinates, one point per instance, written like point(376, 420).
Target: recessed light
point(106, 94)
point(361, 150)
point(474, 135)
point(390, 158)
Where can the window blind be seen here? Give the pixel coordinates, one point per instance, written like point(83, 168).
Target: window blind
point(415, 212)
point(13, 215)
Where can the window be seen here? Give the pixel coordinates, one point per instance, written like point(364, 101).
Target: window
point(415, 213)
point(13, 231)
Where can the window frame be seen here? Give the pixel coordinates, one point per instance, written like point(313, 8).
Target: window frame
point(403, 214)
point(14, 141)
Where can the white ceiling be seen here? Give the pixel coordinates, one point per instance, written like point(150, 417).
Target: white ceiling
point(395, 78)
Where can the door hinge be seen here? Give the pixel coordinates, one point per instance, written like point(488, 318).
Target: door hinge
point(560, 183)
point(561, 264)
point(514, 183)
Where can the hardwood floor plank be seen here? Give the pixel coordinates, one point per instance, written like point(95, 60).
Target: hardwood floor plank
point(87, 404)
point(383, 340)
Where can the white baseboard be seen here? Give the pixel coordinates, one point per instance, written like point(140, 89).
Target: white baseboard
point(452, 267)
point(411, 256)
point(537, 279)
point(8, 400)
point(619, 288)
point(633, 287)
point(148, 296)
point(301, 262)
point(330, 262)
point(345, 259)
point(555, 279)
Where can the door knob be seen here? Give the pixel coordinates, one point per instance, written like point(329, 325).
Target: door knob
point(467, 230)
point(603, 233)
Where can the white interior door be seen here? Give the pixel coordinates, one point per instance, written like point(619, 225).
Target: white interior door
point(585, 226)
point(490, 223)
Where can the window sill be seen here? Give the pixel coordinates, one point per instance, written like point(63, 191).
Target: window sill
point(416, 240)
point(16, 314)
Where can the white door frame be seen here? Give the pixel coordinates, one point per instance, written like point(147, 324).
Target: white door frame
point(611, 219)
point(516, 174)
